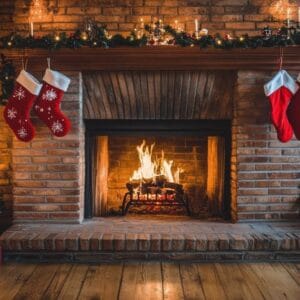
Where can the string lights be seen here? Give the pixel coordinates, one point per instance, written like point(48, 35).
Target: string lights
point(150, 35)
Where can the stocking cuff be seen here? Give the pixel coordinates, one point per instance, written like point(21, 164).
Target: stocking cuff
point(282, 78)
point(56, 79)
point(29, 82)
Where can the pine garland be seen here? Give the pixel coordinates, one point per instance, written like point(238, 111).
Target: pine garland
point(98, 38)
point(7, 77)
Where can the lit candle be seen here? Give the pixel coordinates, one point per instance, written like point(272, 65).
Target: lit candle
point(288, 17)
point(176, 24)
point(31, 28)
point(196, 25)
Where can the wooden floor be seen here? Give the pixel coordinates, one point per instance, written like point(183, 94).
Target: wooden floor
point(151, 280)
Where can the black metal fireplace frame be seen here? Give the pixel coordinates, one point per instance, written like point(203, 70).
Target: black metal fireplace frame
point(96, 128)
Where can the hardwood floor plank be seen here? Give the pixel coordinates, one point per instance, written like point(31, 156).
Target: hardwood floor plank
point(172, 286)
point(5, 271)
point(38, 282)
point(254, 282)
point(102, 282)
point(282, 285)
point(294, 271)
point(58, 282)
point(150, 281)
point(73, 283)
point(141, 281)
point(210, 281)
point(234, 283)
point(13, 277)
point(191, 282)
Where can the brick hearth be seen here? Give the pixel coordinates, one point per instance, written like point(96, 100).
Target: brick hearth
point(142, 237)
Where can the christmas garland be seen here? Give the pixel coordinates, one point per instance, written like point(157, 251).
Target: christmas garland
point(97, 37)
point(7, 77)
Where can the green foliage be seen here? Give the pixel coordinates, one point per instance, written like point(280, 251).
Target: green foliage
point(7, 76)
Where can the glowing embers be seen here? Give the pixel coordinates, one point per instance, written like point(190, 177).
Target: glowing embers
point(157, 170)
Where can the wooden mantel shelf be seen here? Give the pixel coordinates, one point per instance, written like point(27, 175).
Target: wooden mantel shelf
point(158, 58)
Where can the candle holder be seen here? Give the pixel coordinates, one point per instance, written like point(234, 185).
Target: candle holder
point(196, 35)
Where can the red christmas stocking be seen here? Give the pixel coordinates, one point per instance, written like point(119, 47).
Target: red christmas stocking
point(280, 90)
point(47, 105)
point(293, 112)
point(17, 110)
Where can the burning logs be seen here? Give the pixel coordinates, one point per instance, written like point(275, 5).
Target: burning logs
point(158, 185)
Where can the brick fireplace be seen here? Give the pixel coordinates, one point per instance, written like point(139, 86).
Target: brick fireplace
point(204, 108)
point(44, 180)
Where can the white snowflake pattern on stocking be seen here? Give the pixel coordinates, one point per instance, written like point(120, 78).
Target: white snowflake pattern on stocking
point(50, 95)
point(57, 127)
point(22, 133)
point(12, 113)
point(19, 93)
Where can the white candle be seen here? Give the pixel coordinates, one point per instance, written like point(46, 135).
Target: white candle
point(196, 25)
point(288, 17)
point(31, 28)
point(299, 16)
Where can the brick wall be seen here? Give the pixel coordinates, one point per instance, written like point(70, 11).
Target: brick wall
point(48, 172)
point(266, 177)
point(224, 16)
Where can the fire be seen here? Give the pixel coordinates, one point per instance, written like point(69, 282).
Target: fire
point(150, 169)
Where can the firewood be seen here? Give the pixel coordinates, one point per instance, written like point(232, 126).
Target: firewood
point(175, 186)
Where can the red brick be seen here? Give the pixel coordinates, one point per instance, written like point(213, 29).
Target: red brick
point(118, 11)
point(168, 11)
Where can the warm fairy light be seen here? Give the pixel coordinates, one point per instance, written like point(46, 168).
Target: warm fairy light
point(57, 38)
point(242, 39)
point(149, 169)
point(9, 44)
point(219, 42)
point(84, 36)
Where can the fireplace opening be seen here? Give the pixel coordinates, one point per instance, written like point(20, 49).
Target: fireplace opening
point(158, 167)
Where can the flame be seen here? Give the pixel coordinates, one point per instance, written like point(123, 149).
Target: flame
point(149, 169)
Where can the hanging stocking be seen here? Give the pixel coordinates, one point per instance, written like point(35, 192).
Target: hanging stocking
point(47, 105)
point(16, 112)
point(293, 112)
point(280, 91)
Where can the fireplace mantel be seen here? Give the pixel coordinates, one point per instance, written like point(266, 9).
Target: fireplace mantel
point(158, 58)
